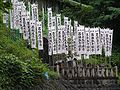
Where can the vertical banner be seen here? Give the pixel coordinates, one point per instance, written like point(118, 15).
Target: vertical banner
point(87, 42)
point(62, 38)
point(11, 16)
point(75, 37)
point(82, 29)
point(108, 42)
point(50, 31)
point(80, 40)
point(35, 12)
point(24, 26)
point(97, 42)
point(61, 35)
point(54, 38)
point(17, 5)
point(15, 14)
point(72, 42)
point(66, 35)
point(39, 36)
point(102, 39)
point(49, 18)
point(69, 28)
point(92, 41)
point(33, 33)
point(7, 20)
point(28, 26)
point(19, 21)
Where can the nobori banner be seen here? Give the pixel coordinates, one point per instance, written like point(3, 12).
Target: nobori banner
point(75, 37)
point(108, 42)
point(50, 34)
point(33, 33)
point(62, 41)
point(66, 35)
point(54, 35)
point(39, 35)
point(34, 12)
point(49, 18)
point(59, 41)
point(97, 42)
point(92, 41)
point(24, 26)
point(87, 40)
point(80, 40)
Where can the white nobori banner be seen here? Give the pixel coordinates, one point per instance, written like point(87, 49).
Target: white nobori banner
point(24, 26)
point(54, 36)
point(59, 40)
point(66, 35)
point(92, 41)
point(28, 26)
point(35, 12)
point(97, 42)
point(69, 29)
point(39, 35)
point(108, 42)
point(33, 33)
point(102, 38)
point(63, 38)
point(80, 40)
point(75, 37)
point(49, 18)
point(50, 46)
point(87, 41)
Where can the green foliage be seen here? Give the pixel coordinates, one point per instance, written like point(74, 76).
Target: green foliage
point(20, 71)
point(11, 70)
point(17, 48)
point(74, 10)
point(92, 61)
point(5, 6)
point(20, 67)
point(115, 59)
point(16, 73)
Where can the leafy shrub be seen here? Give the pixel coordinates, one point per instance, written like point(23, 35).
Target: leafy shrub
point(20, 67)
point(15, 73)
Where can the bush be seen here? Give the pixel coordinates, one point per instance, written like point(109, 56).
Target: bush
point(15, 73)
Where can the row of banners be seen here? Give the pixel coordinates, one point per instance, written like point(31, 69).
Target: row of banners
point(84, 40)
point(25, 19)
